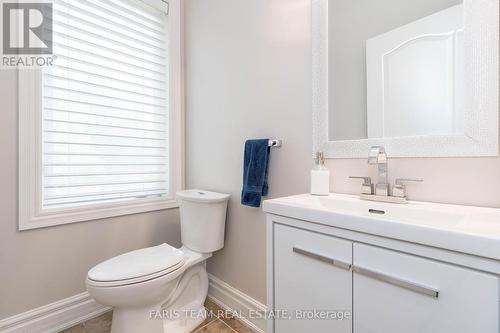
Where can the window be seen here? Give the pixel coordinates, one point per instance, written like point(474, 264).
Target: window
point(100, 130)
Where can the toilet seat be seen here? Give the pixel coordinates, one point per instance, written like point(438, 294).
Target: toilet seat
point(137, 266)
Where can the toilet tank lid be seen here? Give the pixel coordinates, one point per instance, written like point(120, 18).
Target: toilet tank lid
point(202, 196)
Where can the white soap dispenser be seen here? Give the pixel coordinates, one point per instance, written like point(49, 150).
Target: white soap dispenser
point(320, 176)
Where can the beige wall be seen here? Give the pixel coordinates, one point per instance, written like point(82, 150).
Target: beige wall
point(41, 266)
point(248, 75)
point(465, 181)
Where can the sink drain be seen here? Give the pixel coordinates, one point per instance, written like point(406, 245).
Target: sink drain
point(376, 211)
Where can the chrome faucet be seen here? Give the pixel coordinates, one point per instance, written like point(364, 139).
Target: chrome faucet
point(378, 157)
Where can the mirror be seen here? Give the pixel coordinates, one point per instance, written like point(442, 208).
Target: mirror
point(396, 68)
point(404, 74)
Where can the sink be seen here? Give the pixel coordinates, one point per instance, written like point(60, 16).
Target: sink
point(412, 212)
point(467, 229)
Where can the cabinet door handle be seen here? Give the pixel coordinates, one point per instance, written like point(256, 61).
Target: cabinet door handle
point(334, 262)
point(415, 287)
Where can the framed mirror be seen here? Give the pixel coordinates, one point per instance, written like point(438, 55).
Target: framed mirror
point(418, 77)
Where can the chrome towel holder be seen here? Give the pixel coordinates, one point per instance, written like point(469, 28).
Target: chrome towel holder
point(274, 143)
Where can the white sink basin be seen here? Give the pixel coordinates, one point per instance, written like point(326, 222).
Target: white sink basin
point(412, 212)
point(466, 229)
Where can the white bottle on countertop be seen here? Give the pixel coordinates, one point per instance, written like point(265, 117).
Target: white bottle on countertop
point(320, 176)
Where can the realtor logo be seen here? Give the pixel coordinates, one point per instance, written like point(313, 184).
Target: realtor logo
point(26, 35)
point(27, 28)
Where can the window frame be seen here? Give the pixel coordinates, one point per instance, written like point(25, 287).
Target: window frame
point(31, 213)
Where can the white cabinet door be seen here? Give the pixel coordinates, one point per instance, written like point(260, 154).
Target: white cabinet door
point(396, 293)
point(311, 272)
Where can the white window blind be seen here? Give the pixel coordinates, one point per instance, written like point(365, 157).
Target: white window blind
point(105, 103)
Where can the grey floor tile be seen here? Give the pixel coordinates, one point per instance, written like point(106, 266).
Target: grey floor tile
point(75, 329)
point(101, 324)
point(216, 326)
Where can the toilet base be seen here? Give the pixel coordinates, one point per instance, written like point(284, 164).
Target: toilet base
point(141, 320)
point(133, 320)
point(187, 301)
point(182, 311)
point(185, 325)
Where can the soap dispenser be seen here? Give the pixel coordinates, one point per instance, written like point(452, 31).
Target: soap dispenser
point(320, 176)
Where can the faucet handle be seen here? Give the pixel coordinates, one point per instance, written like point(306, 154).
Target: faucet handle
point(401, 181)
point(367, 187)
point(399, 190)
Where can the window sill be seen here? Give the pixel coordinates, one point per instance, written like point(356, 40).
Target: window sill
point(53, 217)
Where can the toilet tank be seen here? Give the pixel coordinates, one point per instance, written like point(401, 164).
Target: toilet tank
point(203, 219)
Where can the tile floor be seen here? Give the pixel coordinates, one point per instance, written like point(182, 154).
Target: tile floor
point(220, 324)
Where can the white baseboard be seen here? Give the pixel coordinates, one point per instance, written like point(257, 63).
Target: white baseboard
point(54, 317)
point(229, 298)
point(73, 310)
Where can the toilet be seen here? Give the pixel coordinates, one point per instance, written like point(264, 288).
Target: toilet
point(163, 288)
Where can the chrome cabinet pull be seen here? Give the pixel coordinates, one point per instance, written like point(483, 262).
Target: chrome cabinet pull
point(334, 262)
point(418, 288)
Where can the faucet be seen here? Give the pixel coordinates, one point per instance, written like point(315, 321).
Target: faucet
point(378, 157)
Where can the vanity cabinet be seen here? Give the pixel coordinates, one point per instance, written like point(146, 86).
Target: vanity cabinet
point(385, 290)
point(312, 272)
point(395, 293)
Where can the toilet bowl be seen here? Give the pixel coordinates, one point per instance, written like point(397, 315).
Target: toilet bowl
point(162, 288)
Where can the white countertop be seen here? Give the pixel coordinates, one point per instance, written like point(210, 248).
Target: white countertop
point(466, 229)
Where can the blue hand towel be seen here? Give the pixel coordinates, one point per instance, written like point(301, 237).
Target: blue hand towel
point(255, 172)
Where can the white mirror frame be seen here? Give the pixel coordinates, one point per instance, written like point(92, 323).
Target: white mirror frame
point(481, 20)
